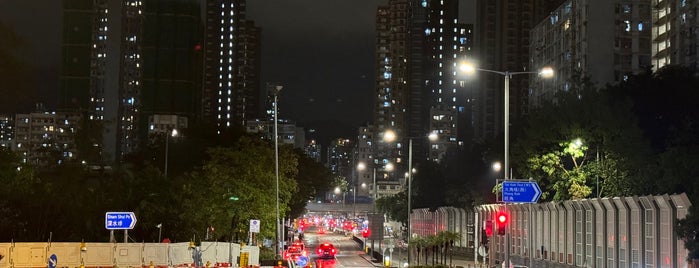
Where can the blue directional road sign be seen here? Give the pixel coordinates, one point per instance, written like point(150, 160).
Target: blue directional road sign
point(120, 220)
point(53, 261)
point(520, 192)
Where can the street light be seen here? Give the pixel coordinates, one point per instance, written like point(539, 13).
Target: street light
point(432, 137)
point(173, 133)
point(276, 171)
point(546, 72)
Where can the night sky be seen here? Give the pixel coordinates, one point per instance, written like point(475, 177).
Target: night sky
point(321, 51)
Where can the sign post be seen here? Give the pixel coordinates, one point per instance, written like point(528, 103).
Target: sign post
point(522, 192)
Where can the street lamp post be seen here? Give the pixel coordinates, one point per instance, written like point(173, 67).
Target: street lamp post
point(173, 133)
point(432, 137)
point(276, 172)
point(545, 72)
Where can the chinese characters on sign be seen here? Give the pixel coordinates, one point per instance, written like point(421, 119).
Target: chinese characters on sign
point(120, 220)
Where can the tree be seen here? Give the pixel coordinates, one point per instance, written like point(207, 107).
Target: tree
point(242, 171)
point(313, 179)
point(618, 161)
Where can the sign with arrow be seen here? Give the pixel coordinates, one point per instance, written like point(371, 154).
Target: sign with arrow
point(520, 192)
point(119, 220)
point(53, 261)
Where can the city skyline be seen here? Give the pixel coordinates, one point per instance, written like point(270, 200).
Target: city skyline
point(326, 63)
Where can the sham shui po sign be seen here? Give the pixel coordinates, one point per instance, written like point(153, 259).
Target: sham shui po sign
point(119, 220)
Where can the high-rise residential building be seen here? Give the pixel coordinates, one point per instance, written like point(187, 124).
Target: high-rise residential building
point(417, 87)
point(171, 52)
point(501, 43)
point(363, 156)
point(605, 40)
point(313, 150)
point(101, 70)
point(392, 88)
point(125, 61)
point(231, 93)
point(448, 41)
point(7, 132)
point(675, 32)
point(339, 160)
point(40, 136)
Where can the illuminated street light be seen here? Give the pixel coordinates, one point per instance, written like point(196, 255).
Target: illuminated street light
point(432, 137)
point(470, 68)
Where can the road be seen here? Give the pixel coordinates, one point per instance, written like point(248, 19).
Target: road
point(349, 253)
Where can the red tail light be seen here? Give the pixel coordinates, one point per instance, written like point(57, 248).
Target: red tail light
point(320, 251)
point(333, 251)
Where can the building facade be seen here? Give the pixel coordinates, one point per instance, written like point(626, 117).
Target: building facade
point(675, 33)
point(231, 92)
point(606, 41)
point(41, 137)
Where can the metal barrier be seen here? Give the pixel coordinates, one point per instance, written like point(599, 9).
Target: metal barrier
point(600, 232)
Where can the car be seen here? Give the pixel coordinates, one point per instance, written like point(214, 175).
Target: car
point(321, 231)
point(326, 250)
point(293, 253)
point(299, 244)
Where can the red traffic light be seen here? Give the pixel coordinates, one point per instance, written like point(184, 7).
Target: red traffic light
point(366, 233)
point(502, 218)
point(489, 228)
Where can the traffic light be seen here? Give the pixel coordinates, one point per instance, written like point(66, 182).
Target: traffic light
point(366, 233)
point(489, 228)
point(502, 219)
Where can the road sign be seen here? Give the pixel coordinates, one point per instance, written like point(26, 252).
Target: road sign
point(53, 261)
point(520, 192)
point(119, 220)
point(254, 226)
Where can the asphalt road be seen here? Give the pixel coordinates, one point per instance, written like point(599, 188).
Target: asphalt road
point(349, 253)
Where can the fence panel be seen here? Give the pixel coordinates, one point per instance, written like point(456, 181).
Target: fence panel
point(650, 232)
point(29, 255)
point(5, 249)
point(67, 254)
point(636, 219)
point(99, 255)
point(623, 232)
point(611, 240)
point(667, 237)
point(254, 254)
point(156, 253)
point(681, 204)
point(600, 232)
point(570, 232)
point(180, 254)
point(562, 238)
point(128, 254)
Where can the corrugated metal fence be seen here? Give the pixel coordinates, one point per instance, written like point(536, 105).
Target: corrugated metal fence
point(602, 232)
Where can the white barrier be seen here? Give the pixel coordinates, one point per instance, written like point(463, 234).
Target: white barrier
point(179, 254)
point(129, 255)
point(254, 254)
point(99, 254)
point(67, 254)
point(155, 253)
point(29, 255)
point(5, 249)
point(122, 255)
